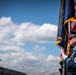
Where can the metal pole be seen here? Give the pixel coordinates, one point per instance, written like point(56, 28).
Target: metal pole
point(64, 69)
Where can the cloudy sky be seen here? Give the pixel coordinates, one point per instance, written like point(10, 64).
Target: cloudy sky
point(28, 32)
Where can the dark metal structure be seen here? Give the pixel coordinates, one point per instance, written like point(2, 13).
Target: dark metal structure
point(6, 71)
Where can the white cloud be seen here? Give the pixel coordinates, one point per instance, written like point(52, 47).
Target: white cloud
point(30, 33)
point(13, 37)
point(5, 21)
point(51, 57)
point(30, 63)
point(27, 32)
point(39, 48)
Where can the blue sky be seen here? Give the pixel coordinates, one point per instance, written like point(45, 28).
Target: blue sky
point(29, 27)
point(36, 11)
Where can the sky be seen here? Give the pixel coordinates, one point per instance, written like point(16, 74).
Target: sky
point(28, 32)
